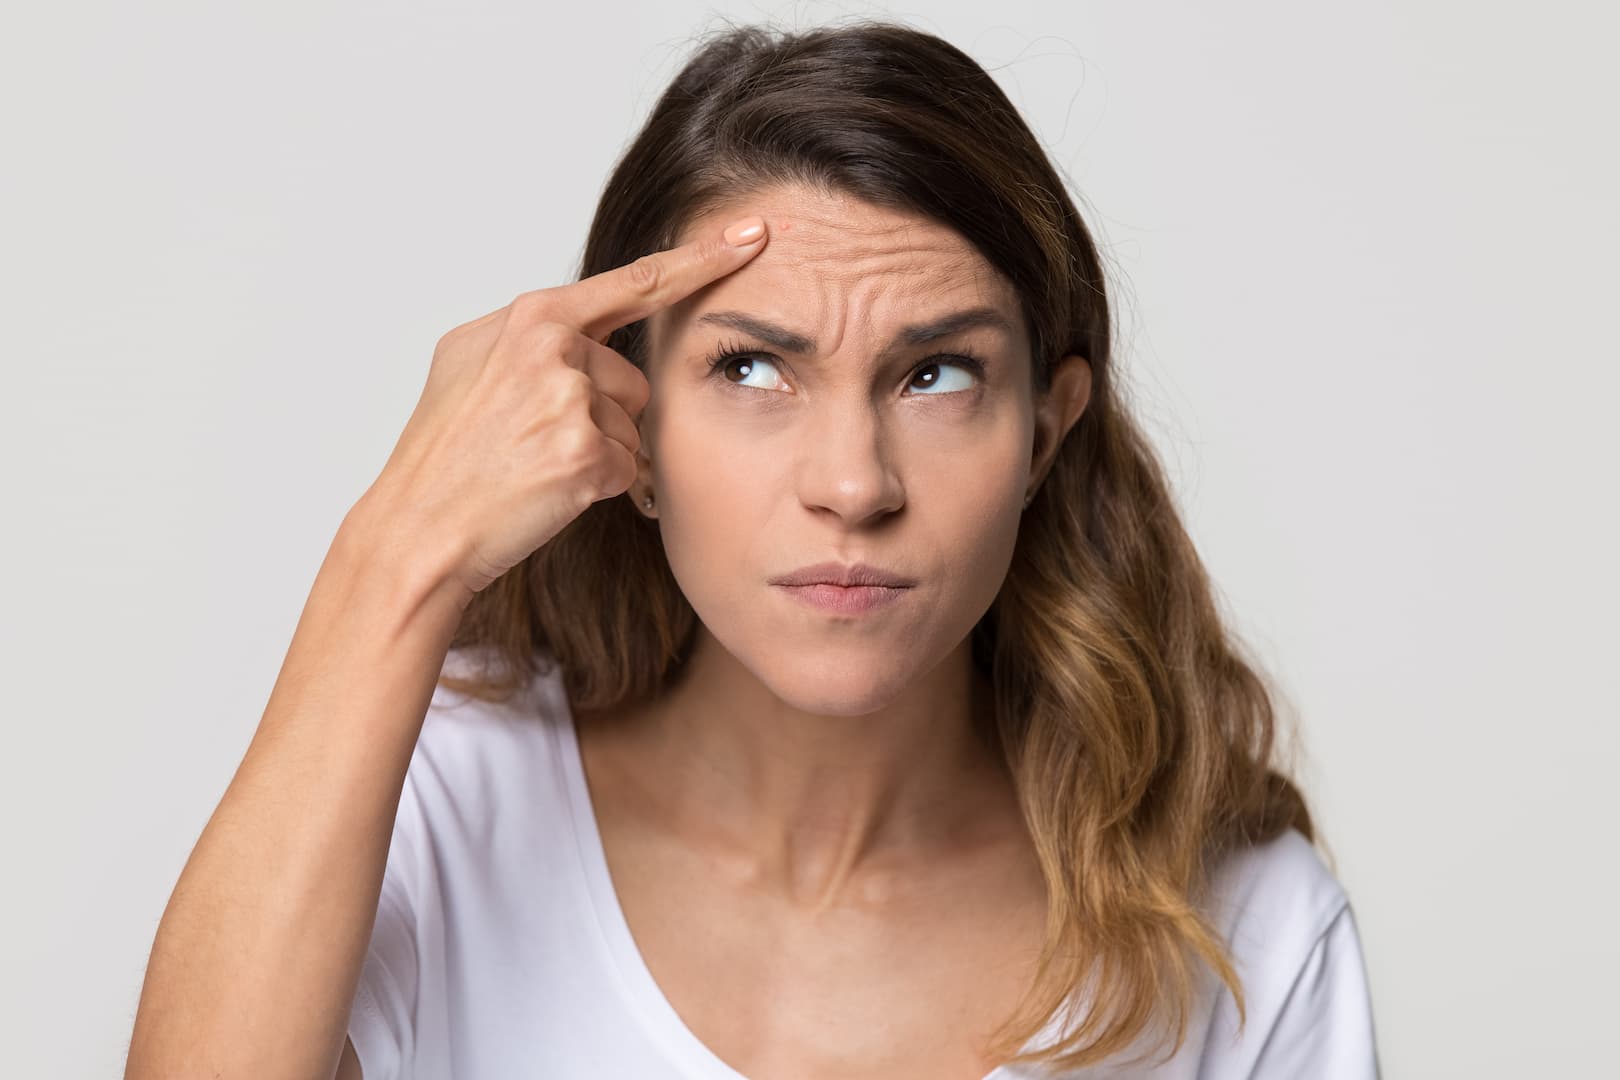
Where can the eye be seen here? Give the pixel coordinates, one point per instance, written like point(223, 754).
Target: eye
point(748, 363)
point(751, 363)
point(961, 363)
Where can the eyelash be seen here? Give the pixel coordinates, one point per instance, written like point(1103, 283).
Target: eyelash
point(729, 351)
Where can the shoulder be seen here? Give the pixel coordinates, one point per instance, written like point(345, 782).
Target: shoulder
point(1293, 943)
point(1276, 903)
point(1280, 890)
point(458, 722)
point(1295, 946)
point(476, 754)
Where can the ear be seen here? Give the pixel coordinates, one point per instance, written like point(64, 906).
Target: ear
point(642, 493)
point(1056, 412)
point(642, 488)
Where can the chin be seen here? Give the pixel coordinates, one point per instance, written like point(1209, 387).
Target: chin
point(830, 681)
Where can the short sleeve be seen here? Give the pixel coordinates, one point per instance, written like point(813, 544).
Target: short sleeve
point(382, 1018)
point(1324, 1028)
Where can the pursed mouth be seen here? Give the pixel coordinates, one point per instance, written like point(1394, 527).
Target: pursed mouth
point(837, 599)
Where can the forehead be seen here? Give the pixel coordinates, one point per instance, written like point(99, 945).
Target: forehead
point(831, 257)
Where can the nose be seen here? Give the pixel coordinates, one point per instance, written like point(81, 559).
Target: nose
point(848, 469)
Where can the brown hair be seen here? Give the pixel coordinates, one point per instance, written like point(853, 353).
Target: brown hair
point(1140, 738)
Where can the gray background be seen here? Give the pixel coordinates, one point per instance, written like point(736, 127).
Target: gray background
point(1364, 257)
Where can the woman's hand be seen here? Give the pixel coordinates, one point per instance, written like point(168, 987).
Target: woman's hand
point(527, 419)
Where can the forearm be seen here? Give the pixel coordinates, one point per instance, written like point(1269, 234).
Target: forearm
point(257, 956)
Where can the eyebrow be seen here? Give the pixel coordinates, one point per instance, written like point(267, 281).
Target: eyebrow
point(909, 336)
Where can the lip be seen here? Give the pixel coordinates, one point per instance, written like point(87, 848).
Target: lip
point(844, 576)
point(846, 599)
point(844, 589)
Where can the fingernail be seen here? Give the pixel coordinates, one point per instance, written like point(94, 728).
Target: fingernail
point(745, 232)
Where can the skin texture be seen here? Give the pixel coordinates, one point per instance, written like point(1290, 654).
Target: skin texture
point(823, 868)
point(809, 747)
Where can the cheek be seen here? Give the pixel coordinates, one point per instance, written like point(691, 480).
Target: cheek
point(973, 473)
point(712, 470)
point(715, 486)
point(976, 506)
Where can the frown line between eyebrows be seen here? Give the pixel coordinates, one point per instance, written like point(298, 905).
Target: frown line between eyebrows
point(909, 336)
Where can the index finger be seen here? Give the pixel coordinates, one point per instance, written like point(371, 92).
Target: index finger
point(602, 303)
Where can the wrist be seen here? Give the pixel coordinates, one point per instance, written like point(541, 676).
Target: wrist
point(384, 540)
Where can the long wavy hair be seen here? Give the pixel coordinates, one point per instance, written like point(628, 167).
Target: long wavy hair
point(1140, 738)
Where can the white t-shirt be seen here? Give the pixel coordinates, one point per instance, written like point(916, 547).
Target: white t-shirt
point(500, 950)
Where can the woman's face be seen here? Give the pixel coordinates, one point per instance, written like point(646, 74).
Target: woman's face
point(850, 445)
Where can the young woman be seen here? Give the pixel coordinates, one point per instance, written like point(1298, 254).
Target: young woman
point(775, 654)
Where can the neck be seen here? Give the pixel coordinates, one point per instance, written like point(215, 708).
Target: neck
point(818, 809)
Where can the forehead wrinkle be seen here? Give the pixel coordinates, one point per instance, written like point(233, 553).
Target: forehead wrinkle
point(912, 280)
point(867, 262)
point(957, 321)
point(840, 265)
point(973, 306)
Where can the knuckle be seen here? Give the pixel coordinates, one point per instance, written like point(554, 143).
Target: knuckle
point(549, 345)
point(528, 307)
point(584, 495)
point(712, 249)
point(577, 442)
point(619, 475)
point(592, 489)
point(574, 386)
point(645, 274)
point(616, 472)
point(554, 339)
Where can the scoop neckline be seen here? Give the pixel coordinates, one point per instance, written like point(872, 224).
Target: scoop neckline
point(634, 978)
